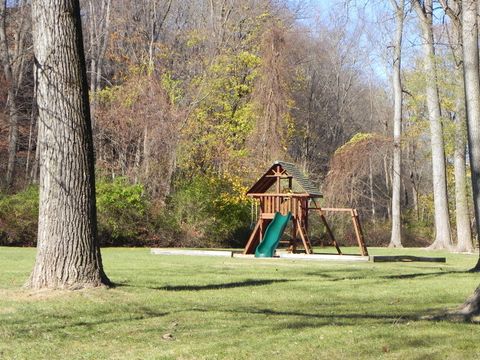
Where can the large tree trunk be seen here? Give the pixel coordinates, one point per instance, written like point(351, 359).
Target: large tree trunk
point(464, 233)
point(442, 220)
point(462, 216)
point(396, 235)
point(472, 100)
point(68, 255)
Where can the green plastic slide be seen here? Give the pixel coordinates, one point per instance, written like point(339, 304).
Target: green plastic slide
point(272, 235)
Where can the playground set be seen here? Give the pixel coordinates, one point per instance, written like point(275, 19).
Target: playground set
point(278, 203)
point(283, 195)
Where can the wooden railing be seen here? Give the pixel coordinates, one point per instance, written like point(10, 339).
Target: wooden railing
point(297, 204)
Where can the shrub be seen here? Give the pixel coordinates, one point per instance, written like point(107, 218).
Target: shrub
point(19, 218)
point(127, 217)
point(211, 211)
point(203, 212)
point(122, 212)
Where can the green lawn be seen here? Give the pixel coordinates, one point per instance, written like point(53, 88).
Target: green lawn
point(173, 307)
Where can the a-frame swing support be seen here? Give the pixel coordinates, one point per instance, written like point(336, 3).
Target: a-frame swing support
point(355, 222)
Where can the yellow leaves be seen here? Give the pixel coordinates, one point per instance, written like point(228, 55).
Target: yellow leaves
point(356, 139)
point(249, 59)
point(218, 128)
point(447, 104)
point(264, 15)
point(236, 194)
point(416, 128)
point(172, 87)
point(107, 94)
point(195, 38)
point(450, 90)
point(449, 136)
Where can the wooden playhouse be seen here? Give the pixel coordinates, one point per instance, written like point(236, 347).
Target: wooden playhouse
point(284, 188)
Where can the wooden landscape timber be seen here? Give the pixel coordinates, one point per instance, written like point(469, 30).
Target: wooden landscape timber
point(407, 258)
point(199, 252)
point(290, 256)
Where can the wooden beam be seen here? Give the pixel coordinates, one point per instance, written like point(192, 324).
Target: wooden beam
point(355, 221)
point(303, 236)
point(260, 195)
point(279, 176)
point(406, 258)
point(331, 209)
point(330, 234)
point(359, 232)
point(325, 257)
point(220, 253)
point(253, 239)
point(293, 242)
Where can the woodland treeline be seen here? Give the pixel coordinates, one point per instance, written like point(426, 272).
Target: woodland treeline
point(192, 100)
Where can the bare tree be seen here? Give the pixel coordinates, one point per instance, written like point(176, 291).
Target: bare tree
point(98, 31)
point(453, 9)
point(12, 59)
point(68, 255)
point(396, 236)
point(442, 219)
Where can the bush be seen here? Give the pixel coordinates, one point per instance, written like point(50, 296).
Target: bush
point(211, 211)
point(125, 217)
point(121, 212)
point(19, 218)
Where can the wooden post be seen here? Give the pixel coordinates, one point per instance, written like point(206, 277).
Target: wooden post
point(303, 236)
point(359, 232)
point(293, 242)
point(253, 240)
point(278, 179)
point(262, 221)
point(305, 212)
point(330, 232)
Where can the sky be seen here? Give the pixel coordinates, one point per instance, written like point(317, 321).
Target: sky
point(378, 31)
point(359, 12)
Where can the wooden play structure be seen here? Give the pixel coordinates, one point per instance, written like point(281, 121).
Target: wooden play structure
point(275, 192)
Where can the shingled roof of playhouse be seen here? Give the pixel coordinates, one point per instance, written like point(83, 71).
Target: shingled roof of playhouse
point(266, 181)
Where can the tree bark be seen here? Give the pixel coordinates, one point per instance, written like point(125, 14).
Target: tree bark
point(68, 255)
point(472, 100)
point(442, 220)
point(464, 233)
point(372, 195)
point(396, 234)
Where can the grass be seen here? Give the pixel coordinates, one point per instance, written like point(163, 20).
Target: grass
point(173, 307)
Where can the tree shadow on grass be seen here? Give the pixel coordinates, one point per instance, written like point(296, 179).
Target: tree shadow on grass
point(312, 319)
point(230, 285)
point(53, 324)
point(390, 317)
point(90, 324)
point(419, 275)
